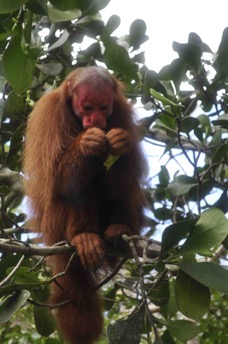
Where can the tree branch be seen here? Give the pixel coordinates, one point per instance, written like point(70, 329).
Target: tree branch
point(160, 136)
point(152, 248)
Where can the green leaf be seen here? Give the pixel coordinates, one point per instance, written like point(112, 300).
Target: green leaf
point(44, 321)
point(137, 33)
point(167, 122)
point(220, 153)
point(18, 68)
point(190, 53)
point(210, 230)
point(224, 41)
point(181, 185)
point(182, 329)
point(221, 62)
point(209, 274)
point(117, 59)
point(193, 38)
point(166, 338)
point(37, 7)
point(160, 294)
point(139, 58)
point(168, 87)
point(222, 202)
point(222, 121)
point(111, 159)
point(93, 26)
point(127, 331)
point(9, 261)
point(216, 139)
point(96, 6)
point(170, 309)
point(112, 24)
point(17, 287)
point(188, 124)
point(176, 232)
point(14, 104)
point(70, 4)
point(60, 42)
point(205, 122)
point(193, 298)
point(57, 16)
point(163, 176)
point(163, 99)
point(12, 303)
point(151, 77)
point(177, 72)
point(24, 275)
point(40, 292)
point(199, 134)
point(8, 6)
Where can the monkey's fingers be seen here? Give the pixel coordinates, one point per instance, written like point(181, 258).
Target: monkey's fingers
point(90, 248)
point(120, 141)
point(93, 142)
point(121, 148)
point(95, 132)
point(90, 148)
point(116, 133)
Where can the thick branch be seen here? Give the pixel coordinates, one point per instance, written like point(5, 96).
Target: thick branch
point(10, 245)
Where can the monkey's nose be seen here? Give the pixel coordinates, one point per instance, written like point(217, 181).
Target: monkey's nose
point(98, 121)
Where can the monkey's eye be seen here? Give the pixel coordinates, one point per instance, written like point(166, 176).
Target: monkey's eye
point(88, 107)
point(104, 107)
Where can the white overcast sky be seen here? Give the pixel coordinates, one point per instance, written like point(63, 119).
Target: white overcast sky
point(168, 21)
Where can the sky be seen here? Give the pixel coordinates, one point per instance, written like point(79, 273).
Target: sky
point(168, 21)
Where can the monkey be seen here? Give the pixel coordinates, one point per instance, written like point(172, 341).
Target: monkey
point(73, 196)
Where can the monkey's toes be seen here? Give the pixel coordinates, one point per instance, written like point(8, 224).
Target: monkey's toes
point(113, 233)
point(90, 248)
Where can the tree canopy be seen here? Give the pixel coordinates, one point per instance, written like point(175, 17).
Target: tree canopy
point(169, 291)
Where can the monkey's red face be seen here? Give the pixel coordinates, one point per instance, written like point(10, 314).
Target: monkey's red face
point(93, 105)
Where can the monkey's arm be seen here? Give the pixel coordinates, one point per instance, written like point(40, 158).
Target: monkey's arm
point(80, 163)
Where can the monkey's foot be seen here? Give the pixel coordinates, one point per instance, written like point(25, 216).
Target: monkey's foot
point(90, 248)
point(113, 233)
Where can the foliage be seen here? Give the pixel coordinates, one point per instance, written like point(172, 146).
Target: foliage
point(159, 299)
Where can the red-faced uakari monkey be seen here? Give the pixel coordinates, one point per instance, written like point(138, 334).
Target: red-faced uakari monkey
point(74, 197)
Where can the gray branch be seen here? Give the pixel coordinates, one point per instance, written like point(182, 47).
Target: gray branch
point(10, 245)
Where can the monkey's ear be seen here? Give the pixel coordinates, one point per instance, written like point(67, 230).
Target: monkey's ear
point(69, 86)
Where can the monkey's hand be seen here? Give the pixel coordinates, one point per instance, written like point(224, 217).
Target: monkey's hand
point(120, 141)
point(90, 248)
point(93, 142)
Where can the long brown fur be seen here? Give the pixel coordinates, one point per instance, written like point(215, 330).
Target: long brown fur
point(73, 197)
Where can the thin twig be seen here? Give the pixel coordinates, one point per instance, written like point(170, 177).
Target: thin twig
point(48, 305)
point(12, 272)
point(62, 273)
point(115, 271)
